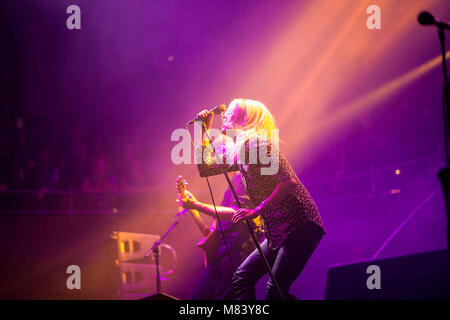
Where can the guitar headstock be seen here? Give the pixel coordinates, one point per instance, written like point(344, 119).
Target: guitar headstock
point(180, 185)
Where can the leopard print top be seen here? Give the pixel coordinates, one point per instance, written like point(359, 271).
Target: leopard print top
point(297, 210)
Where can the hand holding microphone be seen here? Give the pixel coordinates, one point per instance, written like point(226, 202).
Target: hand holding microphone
point(207, 115)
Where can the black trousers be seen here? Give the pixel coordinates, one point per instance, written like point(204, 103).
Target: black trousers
point(287, 262)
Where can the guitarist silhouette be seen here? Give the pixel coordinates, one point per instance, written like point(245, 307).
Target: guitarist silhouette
point(215, 281)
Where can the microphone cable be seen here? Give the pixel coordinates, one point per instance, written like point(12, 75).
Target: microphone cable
point(215, 210)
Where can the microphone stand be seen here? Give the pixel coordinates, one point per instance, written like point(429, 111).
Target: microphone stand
point(444, 173)
point(154, 250)
point(247, 222)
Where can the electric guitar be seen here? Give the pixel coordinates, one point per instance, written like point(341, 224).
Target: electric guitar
point(211, 240)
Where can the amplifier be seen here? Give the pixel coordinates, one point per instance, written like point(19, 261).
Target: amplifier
point(418, 276)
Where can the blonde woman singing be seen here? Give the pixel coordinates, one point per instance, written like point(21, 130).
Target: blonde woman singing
point(291, 220)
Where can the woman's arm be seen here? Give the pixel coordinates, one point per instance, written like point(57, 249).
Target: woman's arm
point(186, 202)
point(225, 213)
point(206, 164)
point(281, 191)
point(204, 229)
point(191, 203)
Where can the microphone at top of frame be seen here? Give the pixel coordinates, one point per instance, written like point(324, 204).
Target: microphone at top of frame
point(426, 19)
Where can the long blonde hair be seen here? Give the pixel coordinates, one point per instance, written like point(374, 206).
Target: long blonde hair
point(249, 119)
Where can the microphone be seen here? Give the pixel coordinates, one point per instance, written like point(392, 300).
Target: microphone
point(425, 18)
point(216, 110)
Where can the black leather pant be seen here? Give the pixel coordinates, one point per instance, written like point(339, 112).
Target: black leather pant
point(287, 262)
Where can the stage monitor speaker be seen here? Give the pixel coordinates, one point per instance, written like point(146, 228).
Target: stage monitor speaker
point(133, 275)
point(418, 276)
point(137, 276)
point(133, 246)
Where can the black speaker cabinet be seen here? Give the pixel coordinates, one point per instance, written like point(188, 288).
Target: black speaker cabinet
point(418, 276)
